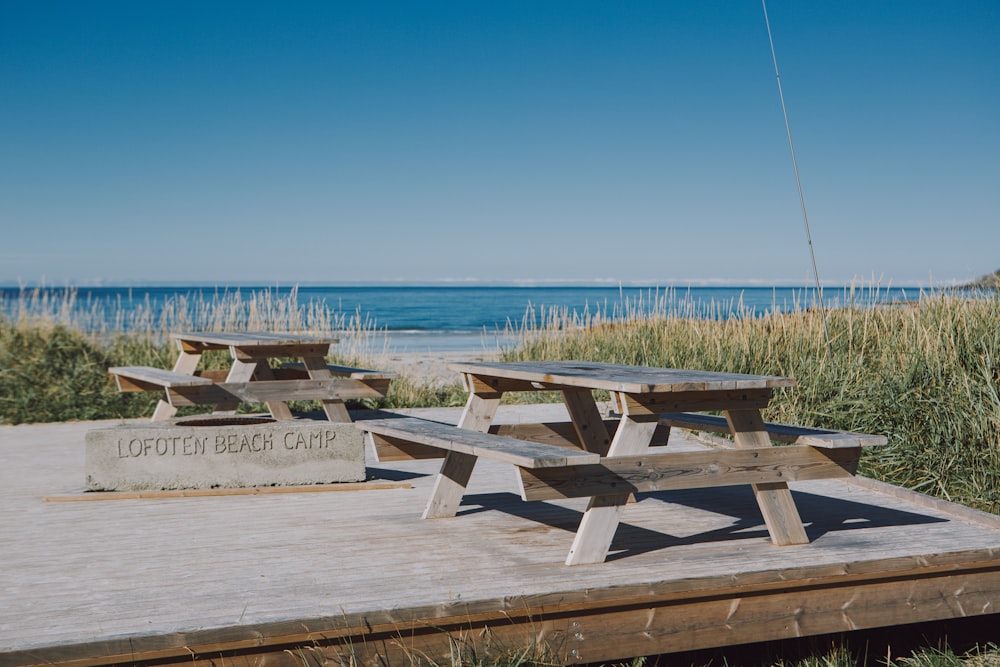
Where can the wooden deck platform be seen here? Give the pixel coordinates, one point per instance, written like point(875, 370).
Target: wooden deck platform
point(299, 578)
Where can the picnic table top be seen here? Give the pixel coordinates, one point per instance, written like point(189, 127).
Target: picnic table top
point(252, 338)
point(620, 377)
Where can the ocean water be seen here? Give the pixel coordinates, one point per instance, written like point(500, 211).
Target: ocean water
point(442, 318)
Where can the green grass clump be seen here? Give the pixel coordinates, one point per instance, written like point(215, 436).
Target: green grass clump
point(982, 656)
point(840, 656)
point(55, 374)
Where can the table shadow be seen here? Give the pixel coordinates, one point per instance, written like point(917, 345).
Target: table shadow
point(820, 514)
point(389, 475)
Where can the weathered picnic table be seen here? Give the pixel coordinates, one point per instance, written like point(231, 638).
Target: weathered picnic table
point(608, 461)
point(251, 378)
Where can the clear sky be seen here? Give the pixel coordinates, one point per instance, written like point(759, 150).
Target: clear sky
point(326, 142)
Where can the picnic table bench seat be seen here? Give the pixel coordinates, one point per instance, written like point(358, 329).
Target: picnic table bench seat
point(210, 387)
point(551, 472)
point(799, 435)
point(522, 453)
point(147, 378)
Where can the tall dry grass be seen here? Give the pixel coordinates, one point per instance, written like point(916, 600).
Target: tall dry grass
point(227, 310)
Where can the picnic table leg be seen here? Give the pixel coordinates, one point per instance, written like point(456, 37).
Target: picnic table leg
point(481, 406)
point(452, 480)
point(335, 410)
point(246, 365)
point(242, 370)
point(587, 421)
point(449, 486)
point(600, 521)
point(775, 499)
point(278, 409)
point(186, 363)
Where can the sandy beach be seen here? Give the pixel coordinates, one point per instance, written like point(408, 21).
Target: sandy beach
point(430, 367)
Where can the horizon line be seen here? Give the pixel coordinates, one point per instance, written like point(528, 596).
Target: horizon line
point(472, 282)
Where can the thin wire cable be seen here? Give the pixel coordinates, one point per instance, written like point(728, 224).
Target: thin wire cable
point(798, 180)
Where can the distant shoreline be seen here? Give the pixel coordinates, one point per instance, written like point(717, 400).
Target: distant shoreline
point(989, 281)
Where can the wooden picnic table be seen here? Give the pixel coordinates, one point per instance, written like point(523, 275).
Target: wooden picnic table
point(642, 394)
point(251, 378)
point(612, 459)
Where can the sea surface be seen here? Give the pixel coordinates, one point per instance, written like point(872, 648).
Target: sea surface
point(446, 318)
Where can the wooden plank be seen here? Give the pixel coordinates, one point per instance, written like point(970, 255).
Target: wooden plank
point(587, 421)
point(600, 520)
point(592, 633)
point(248, 352)
point(187, 363)
point(224, 339)
point(775, 500)
point(126, 385)
point(479, 411)
point(695, 400)
point(388, 449)
point(618, 377)
point(333, 406)
point(449, 485)
point(146, 377)
point(559, 434)
point(802, 435)
point(598, 604)
point(498, 448)
point(596, 530)
point(484, 385)
point(335, 389)
point(562, 434)
point(453, 478)
point(189, 347)
point(208, 493)
point(799, 612)
point(298, 369)
point(689, 470)
point(278, 408)
point(241, 372)
point(215, 375)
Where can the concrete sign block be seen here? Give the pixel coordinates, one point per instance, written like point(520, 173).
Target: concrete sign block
point(198, 453)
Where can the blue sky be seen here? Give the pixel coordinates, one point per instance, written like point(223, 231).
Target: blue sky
point(326, 142)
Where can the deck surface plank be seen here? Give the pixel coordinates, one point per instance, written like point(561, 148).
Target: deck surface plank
point(80, 572)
